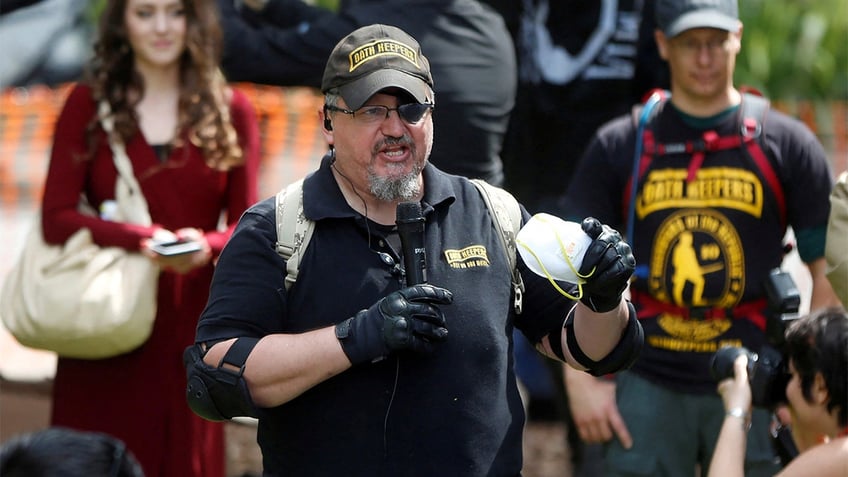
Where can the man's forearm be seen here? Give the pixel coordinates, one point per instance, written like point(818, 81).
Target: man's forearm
point(599, 343)
point(283, 366)
point(823, 294)
point(598, 333)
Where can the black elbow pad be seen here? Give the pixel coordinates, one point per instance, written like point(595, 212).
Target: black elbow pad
point(219, 393)
point(621, 357)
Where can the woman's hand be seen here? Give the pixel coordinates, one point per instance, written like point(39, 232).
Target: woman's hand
point(183, 263)
point(729, 456)
point(735, 391)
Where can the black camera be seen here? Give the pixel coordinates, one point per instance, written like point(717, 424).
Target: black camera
point(784, 300)
point(767, 370)
point(768, 377)
point(767, 373)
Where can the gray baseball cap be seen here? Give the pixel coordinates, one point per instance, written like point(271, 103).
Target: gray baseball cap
point(676, 16)
point(376, 57)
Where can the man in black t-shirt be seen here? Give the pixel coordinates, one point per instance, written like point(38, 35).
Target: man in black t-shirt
point(707, 220)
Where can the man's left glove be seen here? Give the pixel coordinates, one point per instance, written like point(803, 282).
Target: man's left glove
point(607, 266)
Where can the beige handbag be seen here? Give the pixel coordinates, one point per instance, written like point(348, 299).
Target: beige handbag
point(79, 299)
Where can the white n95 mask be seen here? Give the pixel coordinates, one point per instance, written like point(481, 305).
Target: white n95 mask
point(554, 248)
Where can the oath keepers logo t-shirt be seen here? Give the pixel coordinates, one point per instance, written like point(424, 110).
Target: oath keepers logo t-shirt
point(697, 263)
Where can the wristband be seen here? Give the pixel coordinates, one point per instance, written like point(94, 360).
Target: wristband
point(740, 413)
point(620, 358)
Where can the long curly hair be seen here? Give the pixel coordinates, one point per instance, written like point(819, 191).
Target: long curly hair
point(204, 114)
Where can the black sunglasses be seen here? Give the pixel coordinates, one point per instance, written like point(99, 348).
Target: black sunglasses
point(410, 113)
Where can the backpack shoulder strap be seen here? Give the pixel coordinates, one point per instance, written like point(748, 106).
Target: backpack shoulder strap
point(642, 116)
point(753, 114)
point(294, 230)
point(644, 112)
point(506, 216)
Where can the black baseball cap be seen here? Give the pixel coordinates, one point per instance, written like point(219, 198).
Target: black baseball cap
point(676, 16)
point(376, 57)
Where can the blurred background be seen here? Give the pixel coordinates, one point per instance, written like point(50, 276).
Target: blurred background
point(792, 49)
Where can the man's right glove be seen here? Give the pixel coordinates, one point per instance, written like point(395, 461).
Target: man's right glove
point(607, 266)
point(405, 319)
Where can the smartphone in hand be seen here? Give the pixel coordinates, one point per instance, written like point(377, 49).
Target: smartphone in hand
point(169, 249)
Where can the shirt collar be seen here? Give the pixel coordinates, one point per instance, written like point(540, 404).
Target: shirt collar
point(323, 199)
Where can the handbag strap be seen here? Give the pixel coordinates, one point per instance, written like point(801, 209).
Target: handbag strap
point(131, 202)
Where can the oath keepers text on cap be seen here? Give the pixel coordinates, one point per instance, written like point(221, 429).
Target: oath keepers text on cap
point(376, 49)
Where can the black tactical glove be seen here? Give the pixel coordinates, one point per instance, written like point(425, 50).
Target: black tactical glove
point(607, 266)
point(405, 319)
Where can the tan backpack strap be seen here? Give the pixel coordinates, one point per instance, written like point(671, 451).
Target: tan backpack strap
point(132, 205)
point(294, 230)
point(506, 215)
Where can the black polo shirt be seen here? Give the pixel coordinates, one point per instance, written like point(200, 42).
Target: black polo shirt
point(456, 411)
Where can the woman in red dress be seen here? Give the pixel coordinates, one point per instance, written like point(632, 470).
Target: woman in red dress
point(194, 146)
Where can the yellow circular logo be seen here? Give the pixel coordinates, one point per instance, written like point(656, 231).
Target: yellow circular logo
point(697, 261)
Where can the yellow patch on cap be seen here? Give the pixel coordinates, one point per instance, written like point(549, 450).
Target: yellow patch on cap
point(378, 48)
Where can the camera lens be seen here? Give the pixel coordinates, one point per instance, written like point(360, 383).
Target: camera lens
point(721, 365)
point(766, 373)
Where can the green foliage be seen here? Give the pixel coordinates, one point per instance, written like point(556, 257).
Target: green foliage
point(95, 7)
point(330, 4)
point(795, 49)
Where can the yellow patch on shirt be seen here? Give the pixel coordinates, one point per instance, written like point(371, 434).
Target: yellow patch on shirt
point(468, 257)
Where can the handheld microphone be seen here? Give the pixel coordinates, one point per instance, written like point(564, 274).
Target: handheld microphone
point(410, 225)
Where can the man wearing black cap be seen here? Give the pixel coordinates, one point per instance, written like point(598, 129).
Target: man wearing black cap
point(354, 372)
point(718, 178)
point(285, 42)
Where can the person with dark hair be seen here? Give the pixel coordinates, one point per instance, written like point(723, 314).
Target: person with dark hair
point(705, 182)
point(193, 143)
point(62, 452)
point(817, 392)
point(285, 42)
point(370, 362)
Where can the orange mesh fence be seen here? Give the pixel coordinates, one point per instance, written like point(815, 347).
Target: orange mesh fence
point(829, 120)
point(291, 146)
